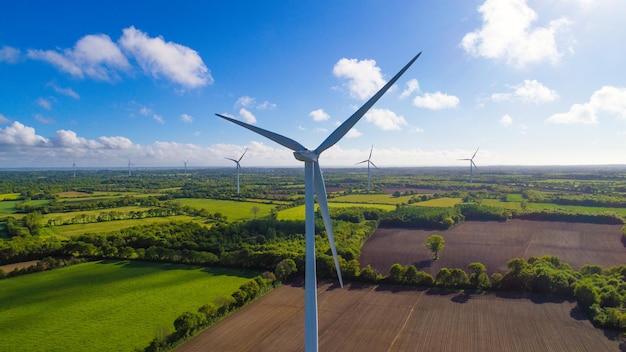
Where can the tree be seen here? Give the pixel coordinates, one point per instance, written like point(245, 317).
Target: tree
point(186, 323)
point(435, 243)
point(254, 210)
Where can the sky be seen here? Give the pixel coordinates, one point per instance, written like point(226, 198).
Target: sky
point(518, 82)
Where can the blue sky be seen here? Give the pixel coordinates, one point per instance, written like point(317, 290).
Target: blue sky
point(102, 83)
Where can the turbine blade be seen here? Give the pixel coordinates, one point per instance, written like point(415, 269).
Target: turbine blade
point(320, 190)
point(361, 162)
point(374, 165)
point(475, 152)
point(371, 150)
point(244, 153)
point(350, 122)
point(231, 159)
point(282, 140)
point(475, 167)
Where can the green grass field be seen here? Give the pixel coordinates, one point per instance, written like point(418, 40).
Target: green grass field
point(297, 213)
point(9, 196)
point(439, 202)
point(372, 199)
point(105, 306)
point(67, 231)
point(233, 210)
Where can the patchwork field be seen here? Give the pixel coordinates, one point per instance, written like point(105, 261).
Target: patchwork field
point(495, 243)
point(297, 213)
point(105, 306)
point(375, 318)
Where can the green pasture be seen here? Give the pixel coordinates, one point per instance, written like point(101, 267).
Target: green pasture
point(443, 202)
point(96, 212)
point(297, 213)
point(107, 305)
point(555, 207)
point(514, 197)
point(95, 196)
point(68, 231)
point(372, 199)
point(9, 196)
point(8, 206)
point(512, 205)
point(233, 210)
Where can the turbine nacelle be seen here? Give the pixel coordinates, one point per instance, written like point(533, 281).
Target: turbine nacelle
point(306, 155)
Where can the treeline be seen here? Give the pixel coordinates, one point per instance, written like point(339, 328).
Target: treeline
point(588, 200)
point(556, 215)
point(599, 292)
point(423, 217)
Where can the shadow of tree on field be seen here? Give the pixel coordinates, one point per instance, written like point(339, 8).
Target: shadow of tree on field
point(623, 239)
point(578, 314)
point(422, 264)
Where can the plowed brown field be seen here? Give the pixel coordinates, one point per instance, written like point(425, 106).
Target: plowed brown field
point(375, 318)
point(495, 243)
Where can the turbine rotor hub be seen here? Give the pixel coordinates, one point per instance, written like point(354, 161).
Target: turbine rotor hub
point(306, 155)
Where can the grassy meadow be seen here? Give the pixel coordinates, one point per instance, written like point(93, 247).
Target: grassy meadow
point(105, 305)
point(297, 213)
point(233, 210)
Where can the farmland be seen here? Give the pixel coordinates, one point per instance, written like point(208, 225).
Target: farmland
point(495, 243)
point(105, 306)
point(386, 318)
point(199, 218)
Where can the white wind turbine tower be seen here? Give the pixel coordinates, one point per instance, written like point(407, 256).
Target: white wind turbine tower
point(185, 162)
point(238, 166)
point(129, 164)
point(472, 164)
point(74, 167)
point(369, 162)
point(314, 184)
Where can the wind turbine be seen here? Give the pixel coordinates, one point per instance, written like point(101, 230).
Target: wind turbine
point(472, 164)
point(369, 162)
point(74, 167)
point(185, 162)
point(238, 166)
point(314, 184)
point(129, 164)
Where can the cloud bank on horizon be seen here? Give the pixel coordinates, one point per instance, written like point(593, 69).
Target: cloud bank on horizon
point(513, 76)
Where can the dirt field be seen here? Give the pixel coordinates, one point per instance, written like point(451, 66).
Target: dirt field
point(10, 267)
point(495, 243)
point(372, 318)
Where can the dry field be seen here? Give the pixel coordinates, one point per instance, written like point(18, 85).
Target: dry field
point(375, 318)
point(495, 243)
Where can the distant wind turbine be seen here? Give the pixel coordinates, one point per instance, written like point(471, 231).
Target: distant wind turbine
point(129, 164)
point(74, 167)
point(472, 164)
point(185, 162)
point(238, 166)
point(369, 162)
point(314, 184)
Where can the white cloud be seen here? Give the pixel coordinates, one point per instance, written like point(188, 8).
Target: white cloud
point(418, 130)
point(607, 99)
point(577, 114)
point(44, 103)
point(245, 101)
point(176, 62)
point(266, 105)
point(9, 55)
point(69, 139)
point(506, 120)
point(115, 142)
point(353, 133)
point(19, 135)
point(43, 119)
point(411, 86)
point(385, 119)
point(247, 116)
point(320, 130)
point(186, 118)
point(158, 118)
point(64, 91)
point(507, 34)
point(319, 115)
point(95, 56)
point(532, 91)
point(4, 119)
point(364, 78)
point(436, 101)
